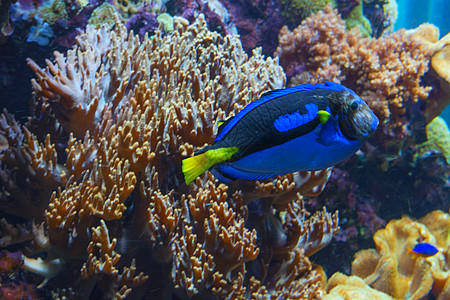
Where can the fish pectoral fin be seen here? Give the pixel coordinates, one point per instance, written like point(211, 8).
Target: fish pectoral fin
point(323, 116)
point(327, 139)
point(194, 166)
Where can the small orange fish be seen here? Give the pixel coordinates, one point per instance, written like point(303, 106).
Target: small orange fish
point(422, 250)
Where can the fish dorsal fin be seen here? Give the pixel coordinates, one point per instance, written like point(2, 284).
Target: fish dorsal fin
point(266, 94)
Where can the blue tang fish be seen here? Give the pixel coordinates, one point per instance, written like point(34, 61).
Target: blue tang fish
point(303, 128)
point(422, 250)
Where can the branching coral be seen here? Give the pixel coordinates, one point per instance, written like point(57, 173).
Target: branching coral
point(29, 170)
point(127, 112)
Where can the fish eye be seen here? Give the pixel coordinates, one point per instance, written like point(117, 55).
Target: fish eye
point(354, 105)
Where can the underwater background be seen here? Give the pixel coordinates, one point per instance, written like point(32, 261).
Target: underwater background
point(96, 120)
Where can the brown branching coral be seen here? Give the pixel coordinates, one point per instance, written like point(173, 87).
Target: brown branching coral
point(102, 260)
point(214, 245)
point(129, 111)
point(28, 170)
point(385, 72)
point(285, 188)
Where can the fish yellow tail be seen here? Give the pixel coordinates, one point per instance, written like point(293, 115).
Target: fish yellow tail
point(194, 166)
point(413, 254)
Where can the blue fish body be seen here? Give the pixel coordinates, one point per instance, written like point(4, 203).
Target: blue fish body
point(304, 128)
point(306, 153)
point(424, 250)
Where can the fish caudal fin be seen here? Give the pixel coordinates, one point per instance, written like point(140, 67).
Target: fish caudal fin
point(413, 254)
point(194, 166)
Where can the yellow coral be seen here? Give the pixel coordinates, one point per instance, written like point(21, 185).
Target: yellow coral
point(438, 139)
point(104, 14)
point(342, 287)
point(389, 269)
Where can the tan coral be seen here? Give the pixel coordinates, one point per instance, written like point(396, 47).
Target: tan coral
point(438, 223)
point(390, 270)
point(283, 189)
point(428, 34)
point(342, 287)
point(130, 110)
point(211, 253)
point(396, 273)
point(29, 170)
point(103, 260)
point(288, 283)
point(100, 193)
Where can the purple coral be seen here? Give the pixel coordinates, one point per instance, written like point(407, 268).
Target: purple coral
point(143, 22)
point(258, 23)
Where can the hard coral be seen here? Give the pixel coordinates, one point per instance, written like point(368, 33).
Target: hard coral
point(438, 139)
point(127, 112)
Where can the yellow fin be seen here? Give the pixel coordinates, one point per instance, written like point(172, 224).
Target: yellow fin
point(220, 123)
point(194, 166)
point(323, 116)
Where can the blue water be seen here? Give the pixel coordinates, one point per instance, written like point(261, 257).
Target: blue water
point(412, 13)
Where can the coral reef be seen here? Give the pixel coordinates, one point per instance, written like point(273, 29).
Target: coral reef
point(438, 140)
point(98, 164)
point(385, 72)
point(13, 284)
point(257, 22)
point(396, 77)
point(391, 271)
point(52, 22)
point(294, 11)
point(395, 74)
point(356, 18)
point(103, 14)
point(343, 287)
